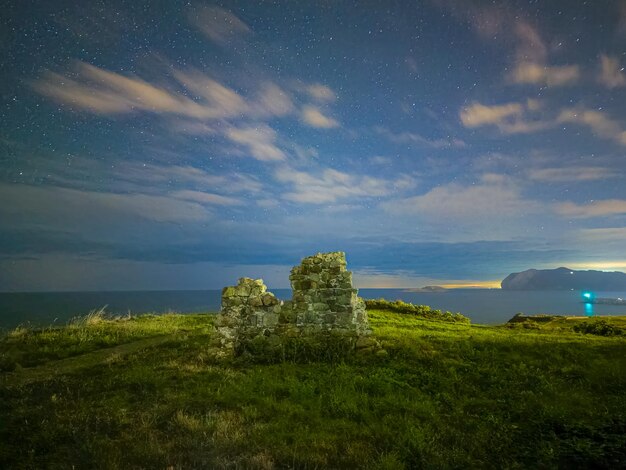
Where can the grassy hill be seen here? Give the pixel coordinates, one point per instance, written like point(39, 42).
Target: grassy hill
point(144, 393)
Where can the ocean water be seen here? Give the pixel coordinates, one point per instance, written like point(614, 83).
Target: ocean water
point(480, 305)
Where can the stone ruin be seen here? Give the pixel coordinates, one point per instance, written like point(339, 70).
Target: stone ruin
point(323, 303)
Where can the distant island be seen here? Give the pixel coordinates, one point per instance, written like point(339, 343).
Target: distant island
point(427, 289)
point(565, 279)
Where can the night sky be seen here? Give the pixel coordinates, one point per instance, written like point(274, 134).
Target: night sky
point(181, 145)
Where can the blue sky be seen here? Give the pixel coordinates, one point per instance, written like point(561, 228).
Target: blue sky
point(185, 144)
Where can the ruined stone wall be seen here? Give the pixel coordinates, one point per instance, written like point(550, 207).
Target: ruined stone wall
point(323, 302)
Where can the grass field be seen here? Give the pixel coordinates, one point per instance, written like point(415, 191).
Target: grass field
point(144, 392)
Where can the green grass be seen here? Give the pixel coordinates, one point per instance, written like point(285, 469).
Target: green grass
point(422, 311)
point(28, 347)
point(447, 395)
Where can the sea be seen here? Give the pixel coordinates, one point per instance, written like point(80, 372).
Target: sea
point(486, 306)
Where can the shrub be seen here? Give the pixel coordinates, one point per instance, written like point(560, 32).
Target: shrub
point(422, 311)
point(598, 327)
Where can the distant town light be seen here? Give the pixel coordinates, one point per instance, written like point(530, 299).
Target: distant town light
point(588, 296)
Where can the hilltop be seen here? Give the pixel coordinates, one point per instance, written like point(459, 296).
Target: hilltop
point(143, 392)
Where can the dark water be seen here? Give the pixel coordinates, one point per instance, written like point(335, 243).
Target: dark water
point(481, 305)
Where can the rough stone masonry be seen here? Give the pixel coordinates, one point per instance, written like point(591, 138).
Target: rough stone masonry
point(323, 303)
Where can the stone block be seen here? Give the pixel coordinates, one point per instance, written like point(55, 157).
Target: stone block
point(255, 301)
point(270, 319)
point(269, 299)
point(228, 292)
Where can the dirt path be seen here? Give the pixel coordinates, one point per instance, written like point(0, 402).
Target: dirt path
point(82, 361)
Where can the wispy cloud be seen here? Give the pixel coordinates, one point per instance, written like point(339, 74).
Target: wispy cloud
point(478, 114)
point(320, 92)
point(329, 185)
point(509, 26)
point(416, 139)
point(602, 265)
point(57, 206)
point(501, 23)
point(218, 24)
point(607, 207)
point(206, 198)
point(538, 74)
point(192, 104)
point(272, 101)
point(509, 118)
point(151, 176)
point(530, 46)
point(604, 234)
point(222, 101)
point(258, 140)
point(581, 173)
point(611, 72)
point(599, 122)
point(314, 117)
point(103, 92)
point(493, 198)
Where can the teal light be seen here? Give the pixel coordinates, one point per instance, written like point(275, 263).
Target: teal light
point(588, 296)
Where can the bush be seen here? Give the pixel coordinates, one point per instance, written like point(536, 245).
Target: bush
point(598, 327)
point(422, 311)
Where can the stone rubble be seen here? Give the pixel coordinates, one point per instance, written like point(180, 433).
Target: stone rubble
point(323, 302)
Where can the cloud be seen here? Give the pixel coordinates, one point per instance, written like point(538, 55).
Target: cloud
point(466, 202)
point(329, 185)
point(206, 198)
point(320, 92)
point(71, 208)
point(509, 118)
point(487, 20)
point(219, 25)
point(220, 101)
point(582, 173)
point(104, 92)
point(69, 272)
point(534, 73)
point(611, 72)
point(259, 140)
point(607, 207)
point(501, 23)
point(313, 116)
point(494, 197)
point(604, 265)
point(600, 123)
point(506, 25)
point(273, 101)
point(413, 138)
point(530, 45)
point(370, 278)
point(150, 176)
point(381, 160)
point(478, 114)
point(604, 234)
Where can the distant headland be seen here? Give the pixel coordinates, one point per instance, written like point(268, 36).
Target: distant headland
point(565, 279)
